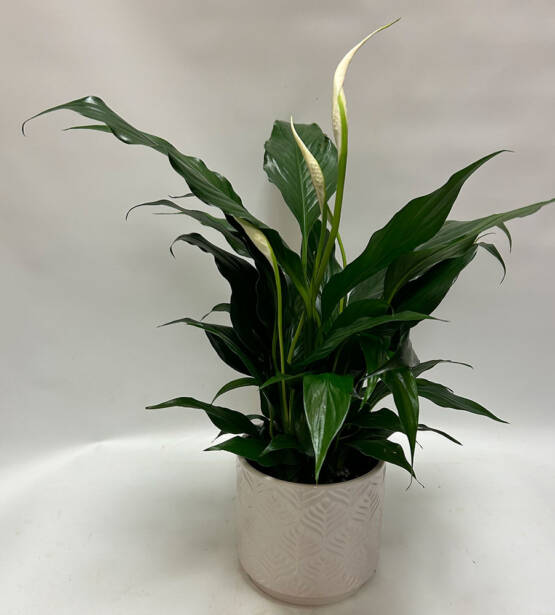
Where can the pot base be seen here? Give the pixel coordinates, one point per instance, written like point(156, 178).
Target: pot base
point(305, 601)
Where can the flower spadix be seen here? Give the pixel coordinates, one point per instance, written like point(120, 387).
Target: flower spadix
point(338, 98)
point(314, 169)
point(258, 238)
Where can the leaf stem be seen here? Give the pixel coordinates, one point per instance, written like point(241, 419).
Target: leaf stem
point(296, 338)
point(279, 299)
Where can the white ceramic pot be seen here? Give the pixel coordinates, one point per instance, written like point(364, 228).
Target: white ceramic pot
point(308, 544)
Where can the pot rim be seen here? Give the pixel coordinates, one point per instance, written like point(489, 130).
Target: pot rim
point(248, 466)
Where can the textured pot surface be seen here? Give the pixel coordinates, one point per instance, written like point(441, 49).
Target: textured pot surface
point(308, 544)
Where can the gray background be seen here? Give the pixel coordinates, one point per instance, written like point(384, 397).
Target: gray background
point(83, 289)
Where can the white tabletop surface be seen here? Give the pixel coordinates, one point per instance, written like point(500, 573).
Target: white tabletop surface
point(145, 526)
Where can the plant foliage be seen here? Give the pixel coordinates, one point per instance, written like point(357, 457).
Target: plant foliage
point(323, 340)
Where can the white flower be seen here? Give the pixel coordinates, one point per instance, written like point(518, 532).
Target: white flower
point(339, 78)
point(258, 238)
point(314, 169)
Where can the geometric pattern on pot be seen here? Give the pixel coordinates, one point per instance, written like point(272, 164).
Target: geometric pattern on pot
point(306, 541)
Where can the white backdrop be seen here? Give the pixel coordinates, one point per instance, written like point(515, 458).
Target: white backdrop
point(83, 289)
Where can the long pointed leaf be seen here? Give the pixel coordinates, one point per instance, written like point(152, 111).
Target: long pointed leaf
point(235, 384)
point(410, 227)
point(384, 450)
point(444, 397)
point(402, 384)
point(326, 400)
point(229, 421)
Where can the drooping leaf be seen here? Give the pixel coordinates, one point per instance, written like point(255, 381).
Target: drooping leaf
point(492, 249)
point(219, 307)
point(444, 397)
point(209, 186)
point(229, 421)
point(410, 227)
point(253, 449)
point(231, 342)
point(281, 442)
point(422, 427)
point(426, 292)
point(326, 400)
point(242, 278)
point(453, 230)
point(384, 450)
point(235, 384)
point(402, 384)
point(286, 169)
point(219, 224)
point(379, 419)
point(338, 335)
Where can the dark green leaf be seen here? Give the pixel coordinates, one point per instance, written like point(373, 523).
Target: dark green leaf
point(282, 378)
point(219, 307)
point(339, 335)
point(230, 340)
point(235, 384)
point(219, 224)
point(423, 427)
point(402, 384)
point(281, 442)
point(229, 421)
point(384, 450)
point(253, 449)
point(380, 419)
point(209, 186)
point(444, 397)
point(492, 249)
point(426, 292)
point(286, 168)
point(242, 278)
point(410, 227)
point(326, 402)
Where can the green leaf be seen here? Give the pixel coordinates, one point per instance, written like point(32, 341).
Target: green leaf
point(492, 249)
point(235, 384)
point(423, 427)
point(384, 450)
point(286, 169)
point(229, 343)
point(410, 227)
point(380, 419)
point(281, 442)
point(210, 187)
point(278, 378)
point(253, 449)
point(229, 421)
point(402, 384)
point(326, 402)
point(339, 335)
point(444, 397)
point(453, 230)
point(426, 292)
point(219, 224)
point(219, 307)
point(242, 278)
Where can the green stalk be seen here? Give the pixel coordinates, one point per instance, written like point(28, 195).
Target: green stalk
point(296, 338)
point(341, 172)
point(280, 334)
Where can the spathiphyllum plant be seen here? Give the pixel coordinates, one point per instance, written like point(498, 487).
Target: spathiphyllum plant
point(325, 341)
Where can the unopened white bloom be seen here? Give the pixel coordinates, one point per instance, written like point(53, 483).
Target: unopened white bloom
point(258, 238)
point(339, 78)
point(314, 169)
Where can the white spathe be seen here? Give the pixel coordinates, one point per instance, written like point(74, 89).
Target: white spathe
point(314, 168)
point(338, 80)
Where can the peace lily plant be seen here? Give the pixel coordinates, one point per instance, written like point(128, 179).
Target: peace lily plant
point(324, 341)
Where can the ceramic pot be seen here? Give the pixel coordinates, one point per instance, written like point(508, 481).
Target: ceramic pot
point(308, 544)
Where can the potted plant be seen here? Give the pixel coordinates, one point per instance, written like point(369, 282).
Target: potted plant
point(324, 341)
